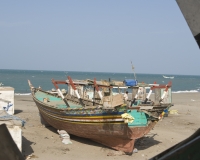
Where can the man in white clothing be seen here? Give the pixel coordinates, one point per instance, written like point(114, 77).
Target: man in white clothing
point(126, 98)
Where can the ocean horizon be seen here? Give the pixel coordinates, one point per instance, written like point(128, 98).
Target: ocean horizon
point(18, 79)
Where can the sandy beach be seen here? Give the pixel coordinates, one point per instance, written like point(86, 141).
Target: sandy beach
point(44, 143)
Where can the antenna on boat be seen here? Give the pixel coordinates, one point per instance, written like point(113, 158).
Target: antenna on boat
point(133, 70)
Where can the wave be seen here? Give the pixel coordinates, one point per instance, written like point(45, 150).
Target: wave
point(186, 91)
point(23, 94)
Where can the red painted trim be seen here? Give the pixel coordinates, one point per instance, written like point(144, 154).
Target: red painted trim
point(95, 85)
point(71, 82)
point(162, 86)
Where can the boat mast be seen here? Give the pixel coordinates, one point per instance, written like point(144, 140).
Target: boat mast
point(133, 70)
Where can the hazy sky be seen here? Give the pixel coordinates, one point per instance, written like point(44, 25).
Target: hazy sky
point(97, 36)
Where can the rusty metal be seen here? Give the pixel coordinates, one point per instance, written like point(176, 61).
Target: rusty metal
point(162, 86)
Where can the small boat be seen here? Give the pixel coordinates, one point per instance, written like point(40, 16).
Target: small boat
point(168, 77)
point(103, 118)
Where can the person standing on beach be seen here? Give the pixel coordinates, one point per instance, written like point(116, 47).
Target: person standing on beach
point(126, 98)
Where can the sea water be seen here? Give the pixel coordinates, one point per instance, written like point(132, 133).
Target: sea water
point(18, 79)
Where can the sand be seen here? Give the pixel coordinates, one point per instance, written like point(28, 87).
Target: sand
point(44, 143)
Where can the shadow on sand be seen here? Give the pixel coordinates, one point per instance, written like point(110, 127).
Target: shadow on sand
point(17, 111)
point(86, 141)
point(146, 142)
point(140, 144)
point(26, 147)
point(79, 139)
point(27, 100)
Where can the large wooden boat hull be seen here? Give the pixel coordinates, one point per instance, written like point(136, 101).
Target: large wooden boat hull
point(105, 127)
point(115, 135)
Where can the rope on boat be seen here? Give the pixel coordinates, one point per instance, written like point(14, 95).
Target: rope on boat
point(127, 118)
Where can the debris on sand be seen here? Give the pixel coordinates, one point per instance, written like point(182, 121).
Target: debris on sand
point(64, 136)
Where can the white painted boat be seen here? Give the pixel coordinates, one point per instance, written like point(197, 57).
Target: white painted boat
point(168, 77)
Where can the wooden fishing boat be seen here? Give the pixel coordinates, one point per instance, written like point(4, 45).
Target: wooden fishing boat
point(104, 118)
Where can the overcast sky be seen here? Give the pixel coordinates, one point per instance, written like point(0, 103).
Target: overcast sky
point(97, 36)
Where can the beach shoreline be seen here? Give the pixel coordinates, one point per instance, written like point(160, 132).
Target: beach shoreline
point(44, 143)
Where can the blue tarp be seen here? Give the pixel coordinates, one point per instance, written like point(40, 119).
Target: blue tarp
point(130, 82)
